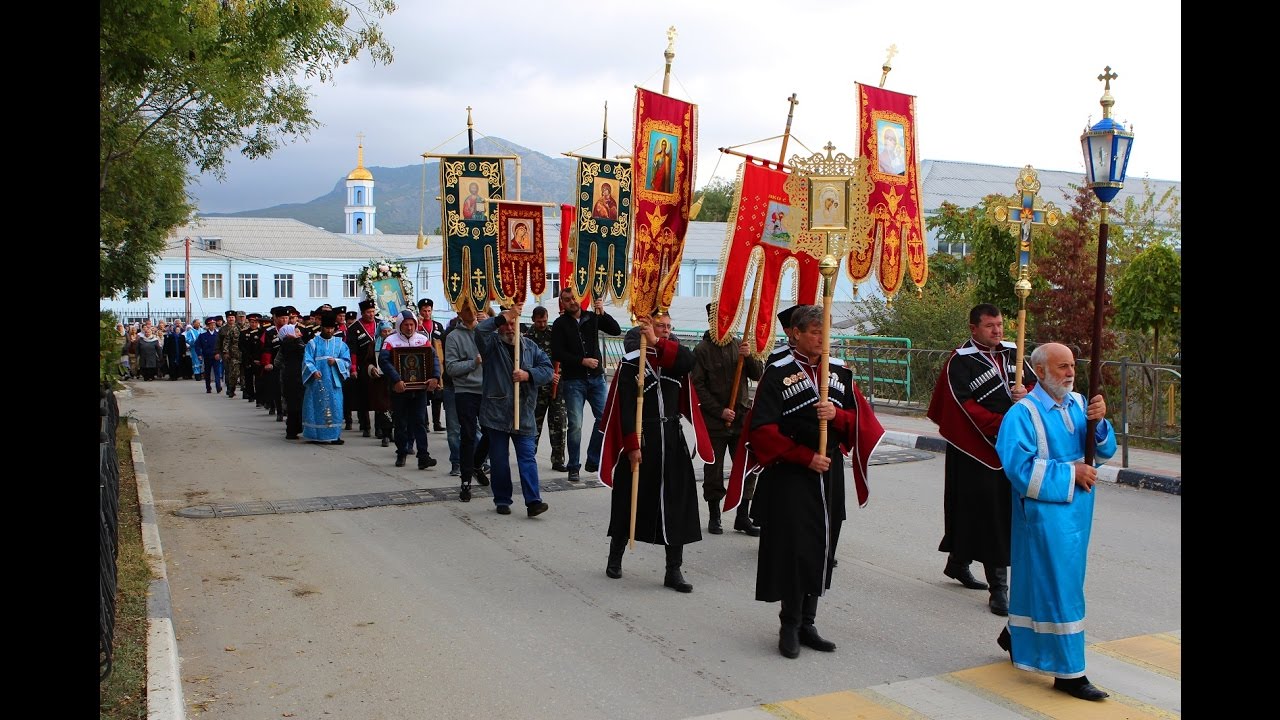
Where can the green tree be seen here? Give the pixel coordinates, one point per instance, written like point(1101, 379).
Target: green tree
point(185, 83)
point(937, 319)
point(991, 247)
point(716, 198)
point(1064, 312)
point(1149, 294)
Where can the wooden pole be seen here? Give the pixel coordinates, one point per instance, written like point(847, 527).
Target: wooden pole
point(1095, 351)
point(827, 267)
point(635, 467)
point(515, 418)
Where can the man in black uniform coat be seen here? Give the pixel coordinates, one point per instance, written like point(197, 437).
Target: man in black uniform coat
point(800, 495)
point(364, 343)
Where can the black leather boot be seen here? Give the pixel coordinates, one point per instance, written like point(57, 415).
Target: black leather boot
point(998, 578)
point(809, 636)
point(674, 580)
point(713, 518)
point(742, 521)
point(789, 634)
point(959, 570)
point(617, 546)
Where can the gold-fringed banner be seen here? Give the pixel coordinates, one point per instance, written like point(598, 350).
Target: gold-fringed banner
point(760, 227)
point(896, 238)
point(603, 190)
point(522, 264)
point(664, 154)
point(469, 185)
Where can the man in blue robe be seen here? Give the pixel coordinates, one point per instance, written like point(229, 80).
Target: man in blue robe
point(1041, 444)
point(197, 360)
point(325, 365)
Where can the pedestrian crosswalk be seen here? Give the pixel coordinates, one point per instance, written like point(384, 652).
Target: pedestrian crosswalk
point(1143, 675)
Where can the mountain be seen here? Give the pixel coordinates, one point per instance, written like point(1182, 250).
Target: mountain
point(398, 191)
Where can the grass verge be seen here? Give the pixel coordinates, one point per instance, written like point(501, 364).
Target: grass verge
point(123, 695)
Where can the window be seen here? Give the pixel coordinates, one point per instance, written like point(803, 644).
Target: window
point(349, 284)
point(423, 275)
point(211, 285)
point(175, 285)
point(249, 285)
point(704, 282)
point(284, 286)
point(319, 285)
point(553, 284)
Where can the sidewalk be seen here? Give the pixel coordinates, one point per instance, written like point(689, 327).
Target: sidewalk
point(1147, 469)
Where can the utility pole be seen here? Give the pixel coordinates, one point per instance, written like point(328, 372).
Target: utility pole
point(186, 279)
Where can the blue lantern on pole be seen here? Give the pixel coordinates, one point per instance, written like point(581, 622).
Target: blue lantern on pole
point(1106, 148)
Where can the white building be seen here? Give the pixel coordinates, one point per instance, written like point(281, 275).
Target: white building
point(253, 264)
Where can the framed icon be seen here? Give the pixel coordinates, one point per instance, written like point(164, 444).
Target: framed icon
point(416, 365)
point(829, 203)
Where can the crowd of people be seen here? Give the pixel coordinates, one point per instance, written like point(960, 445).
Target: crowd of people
point(1017, 491)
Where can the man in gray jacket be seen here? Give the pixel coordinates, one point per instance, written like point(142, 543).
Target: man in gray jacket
point(463, 363)
point(495, 338)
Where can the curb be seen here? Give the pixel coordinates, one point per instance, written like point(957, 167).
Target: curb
point(164, 681)
point(1107, 473)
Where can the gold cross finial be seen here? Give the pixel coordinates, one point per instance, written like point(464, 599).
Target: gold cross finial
point(794, 102)
point(671, 41)
point(469, 116)
point(829, 147)
point(1107, 101)
point(360, 138)
point(1107, 76)
point(886, 67)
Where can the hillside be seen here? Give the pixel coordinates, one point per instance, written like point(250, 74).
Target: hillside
point(398, 191)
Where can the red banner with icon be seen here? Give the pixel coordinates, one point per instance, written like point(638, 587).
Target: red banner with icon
point(663, 171)
point(760, 233)
point(521, 250)
point(887, 131)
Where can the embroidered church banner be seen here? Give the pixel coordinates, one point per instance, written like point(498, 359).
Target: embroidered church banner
point(522, 265)
point(761, 232)
point(603, 226)
point(469, 185)
point(887, 134)
point(664, 154)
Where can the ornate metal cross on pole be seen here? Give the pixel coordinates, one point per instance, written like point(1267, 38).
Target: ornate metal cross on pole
point(1024, 216)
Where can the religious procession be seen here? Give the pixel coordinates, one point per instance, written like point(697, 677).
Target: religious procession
point(767, 427)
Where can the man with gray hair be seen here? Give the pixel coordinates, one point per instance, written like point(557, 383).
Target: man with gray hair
point(1042, 444)
point(800, 495)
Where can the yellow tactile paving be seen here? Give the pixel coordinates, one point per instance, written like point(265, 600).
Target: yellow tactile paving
point(1159, 653)
point(845, 705)
point(1035, 692)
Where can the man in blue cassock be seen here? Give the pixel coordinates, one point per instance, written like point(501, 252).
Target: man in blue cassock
point(1042, 446)
point(325, 365)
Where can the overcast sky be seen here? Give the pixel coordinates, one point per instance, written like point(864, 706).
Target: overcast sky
point(995, 82)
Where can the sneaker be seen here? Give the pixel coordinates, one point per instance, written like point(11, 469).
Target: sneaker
point(590, 467)
point(464, 494)
point(481, 477)
point(424, 464)
point(504, 509)
point(559, 467)
point(455, 471)
point(537, 509)
point(574, 476)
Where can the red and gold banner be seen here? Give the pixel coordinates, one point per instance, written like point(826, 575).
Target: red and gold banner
point(887, 131)
point(759, 232)
point(663, 171)
point(522, 264)
point(568, 254)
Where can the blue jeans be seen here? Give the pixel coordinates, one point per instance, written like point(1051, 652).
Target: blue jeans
point(577, 391)
point(500, 464)
point(452, 430)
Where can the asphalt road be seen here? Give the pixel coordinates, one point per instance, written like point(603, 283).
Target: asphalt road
point(445, 609)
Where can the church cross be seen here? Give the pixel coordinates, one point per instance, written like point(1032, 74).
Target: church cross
point(1026, 215)
point(829, 147)
point(1107, 76)
point(360, 138)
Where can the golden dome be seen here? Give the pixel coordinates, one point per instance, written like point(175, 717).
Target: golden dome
point(360, 173)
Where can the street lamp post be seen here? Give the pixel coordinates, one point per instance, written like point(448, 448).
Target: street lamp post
point(1106, 148)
